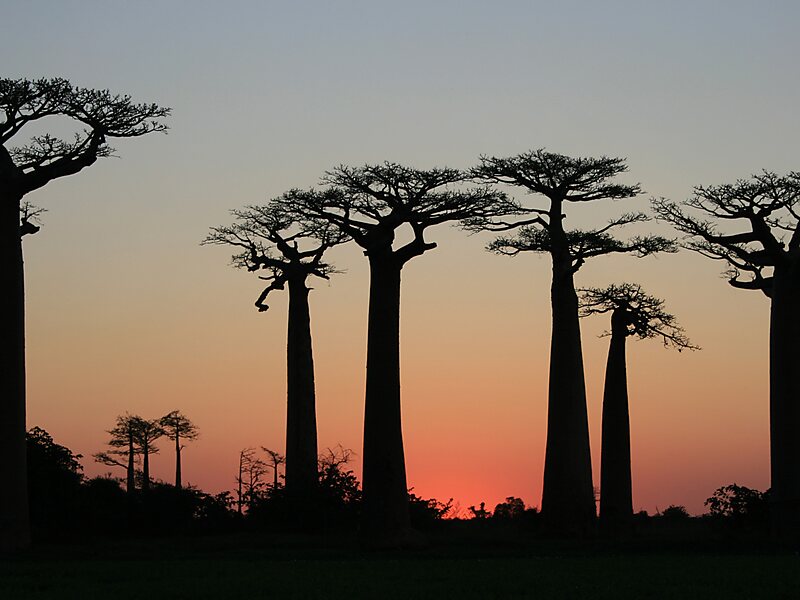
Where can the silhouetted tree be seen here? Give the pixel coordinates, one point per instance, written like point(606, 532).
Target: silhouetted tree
point(739, 506)
point(177, 427)
point(513, 508)
point(370, 204)
point(633, 313)
point(277, 459)
point(752, 225)
point(145, 433)
point(290, 249)
point(567, 499)
point(480, 513)
point(23, 169)
point(124, 449)
point(250, 478)
point(54, 482)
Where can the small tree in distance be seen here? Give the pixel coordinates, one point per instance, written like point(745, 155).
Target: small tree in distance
point(633, 313)
point(177, 427)
point(123, 451)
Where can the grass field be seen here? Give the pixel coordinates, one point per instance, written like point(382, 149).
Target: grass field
point(251, 566)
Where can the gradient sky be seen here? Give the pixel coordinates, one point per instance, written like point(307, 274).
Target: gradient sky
point(126, 312)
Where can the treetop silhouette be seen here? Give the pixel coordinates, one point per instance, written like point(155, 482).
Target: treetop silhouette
point(640, 314)
point(282, 243)
point(763, 209)
point(45, 157)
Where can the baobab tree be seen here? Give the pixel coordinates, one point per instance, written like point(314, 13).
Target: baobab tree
point(567, 497)
point(752, 226)
point(145, 434)
point(249, 481)
point(289, 249)
point(276, 459)
point(124, 450)
point(633, 313)
point(178, 428)
point(24, 168)
point(370, 204)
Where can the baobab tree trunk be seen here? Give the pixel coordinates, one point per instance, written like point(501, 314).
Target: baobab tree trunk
point(301, 413)
point(567, 496)
point(385, 519)
point(616, 496)
point(785, 401)
point(131, 474)
point(145, 469)
point(177, 459)
point(14, 519)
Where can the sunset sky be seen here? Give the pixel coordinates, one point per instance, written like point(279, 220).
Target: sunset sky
point(127, 312)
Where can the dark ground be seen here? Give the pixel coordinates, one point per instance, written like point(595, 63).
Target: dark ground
point(457, 563)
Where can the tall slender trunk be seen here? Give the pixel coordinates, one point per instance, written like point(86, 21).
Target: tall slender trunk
point(177, 460)
point(385, 518)
point(239, 498)
point(616, 495)
point(145, 468)
point(568, 495)
point(301, 415)
point(131, 474)
point(785, 401)
point(14, 518)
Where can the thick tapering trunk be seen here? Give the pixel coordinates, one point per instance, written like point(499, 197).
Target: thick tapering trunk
point(785, 401)
point(178, 460)
point(616, 495)
point(568, 496)
point(14, 519)
point(131, 474)
point(385, 519)
point(145, 469)
point(301, 412)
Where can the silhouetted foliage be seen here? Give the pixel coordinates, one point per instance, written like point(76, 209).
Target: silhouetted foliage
point(640, 314)
point(739, 506)
point(124, 450)
point(567, 499)
point(674, 512)
point(427, 513)
point(480, 513)
point(177, 427)
point(249, 480)
point(54, 482)
point(32, 105)
point(513, 508)
point(752, 227)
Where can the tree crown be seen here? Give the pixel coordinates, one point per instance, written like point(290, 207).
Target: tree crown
point(370, 203)
point(101, 114)
point(762, 213)
point(640, 314)
point(283, 243)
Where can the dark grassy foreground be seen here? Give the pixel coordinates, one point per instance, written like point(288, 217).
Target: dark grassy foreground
point(453, 566)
